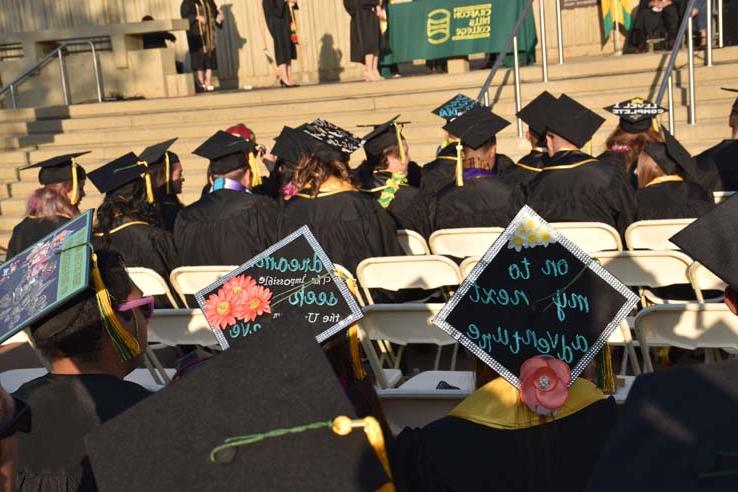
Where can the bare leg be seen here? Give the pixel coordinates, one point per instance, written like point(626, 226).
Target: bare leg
point(201, 78)
point(368, 66)
point(375, 67)
point(283, 76)
point(289, 74)
point(208, 77)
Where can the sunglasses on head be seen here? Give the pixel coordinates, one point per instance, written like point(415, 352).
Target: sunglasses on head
point(145, 303)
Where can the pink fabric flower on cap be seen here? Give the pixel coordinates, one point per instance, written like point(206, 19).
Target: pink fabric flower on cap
point(544, 384)
point(288, 190)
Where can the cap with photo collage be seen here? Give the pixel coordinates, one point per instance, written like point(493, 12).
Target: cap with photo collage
point(115, 175)
point(269, 414)
point(455, 107)
point(383, 136)
point(291, 144)
point(473, 129)
point(60, 169)
point(156, 156)
point(637, 115)
point(671, 156)
point(534, 113)
point(573, 121)
point(332, 143)
point(735, 103)
point(226, 152)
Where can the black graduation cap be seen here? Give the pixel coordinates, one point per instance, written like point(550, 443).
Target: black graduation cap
point(735, 103)
point(676, 432)
point(226, 152)
point(572, 121)
point(384, 135)
point(636, 115)
point(59, 169)
point(291, 144)
point(454, 107)
point(280, 380)
point(476, 127)
point(334, 143)
point(154, 154)
point(534, 113)
point(710, 240)
point(672, 156)
point(118, 173)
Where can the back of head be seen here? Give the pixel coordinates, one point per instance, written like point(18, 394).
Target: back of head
point(631, 144)
point(51, 202)
point(126, 204)
point(312, 172)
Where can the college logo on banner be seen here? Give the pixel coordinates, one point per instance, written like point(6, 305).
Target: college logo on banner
point(439, 26)
point(463, 23)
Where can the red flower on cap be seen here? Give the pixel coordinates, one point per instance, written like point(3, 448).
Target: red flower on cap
point(241, 130)
point(544, 384)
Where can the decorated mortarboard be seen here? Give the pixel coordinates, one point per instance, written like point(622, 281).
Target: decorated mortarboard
point(710, 240)
point(455, 107)
point(269, 415)
point(383, 136)
point(226, 152)
point(333, 142)
point(60, 169)
point(534, 113)
point(572, 121)
point(676, 432)
point(535, 293)
point(291, 144)
point(292, 283)
point(671, 156)
point(735, 103)
point(637, 114)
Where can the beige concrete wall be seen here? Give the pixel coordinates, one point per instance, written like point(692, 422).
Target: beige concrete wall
point(323, 24)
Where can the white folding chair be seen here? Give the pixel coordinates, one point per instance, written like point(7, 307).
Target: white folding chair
point(150, 283)
point(412, 242)
point(654, 234)
point(15, 378)
point(721, 196)
point(703, 279)
point(189, 280)
point(468, 265)
point(686, 326)
point(172, 327)
point(591, 236)
point(463, 242)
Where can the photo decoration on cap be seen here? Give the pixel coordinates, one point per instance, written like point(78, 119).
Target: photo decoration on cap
point(334, 136)
point(636, 109)
point(290, 284)
point(45, 275)
point(534, 292)
point(455, 107)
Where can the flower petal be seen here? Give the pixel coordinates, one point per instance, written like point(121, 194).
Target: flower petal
point(562, 370)
point(554, 398)
point(531, 365)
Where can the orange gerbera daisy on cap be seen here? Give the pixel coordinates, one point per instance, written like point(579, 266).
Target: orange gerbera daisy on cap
point(254, 302)
point(238, 285)
point(221, 309)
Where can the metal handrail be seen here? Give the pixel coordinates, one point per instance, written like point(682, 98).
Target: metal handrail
point(57, 52)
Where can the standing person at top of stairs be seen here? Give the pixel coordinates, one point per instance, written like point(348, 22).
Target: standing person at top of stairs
point(56, 202)
point(204, 17)
point(365, 35)
point(723, 157)
point(282, 26)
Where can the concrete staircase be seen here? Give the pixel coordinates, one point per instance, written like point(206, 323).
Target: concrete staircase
point(112, 129)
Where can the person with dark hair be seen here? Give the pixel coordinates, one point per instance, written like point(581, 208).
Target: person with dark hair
point(280, 19)
point(128, 220)
point(365, 35)
point(722, 158)
point(155, 40)
point(85, 386)
point(204, 17)
point(229, 224)
point(62, 182)
point(349, 225)
point(167, 177)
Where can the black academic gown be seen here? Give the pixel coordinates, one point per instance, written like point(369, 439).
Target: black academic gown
point(673, 200)
point(225, 227)
point(350, 226)
point(29, 231)
point(199, 59)
point(52, 457)
point(278, 20)
point(365, 35)
point(590, 191)
point(169, 206)
point(524, 170)
point(722, 159)
point(481, 202)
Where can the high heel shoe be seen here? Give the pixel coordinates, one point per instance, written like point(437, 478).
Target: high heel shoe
point(284, 84)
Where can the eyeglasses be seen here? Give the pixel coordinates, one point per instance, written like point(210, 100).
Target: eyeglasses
point(145, 303)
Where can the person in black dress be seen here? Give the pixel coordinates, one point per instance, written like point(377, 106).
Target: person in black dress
point(228, 225)
point(204, 17)
point(85, 386)
point(665, 189)
point(479, 198)
point(128, 220)
point(572, 185)
point(63, 187)
point(384, 174)
point(167, 179)
point(365, 35)
point(654, 18)
point(281, 22)
point(723, 157)
point(349, 225)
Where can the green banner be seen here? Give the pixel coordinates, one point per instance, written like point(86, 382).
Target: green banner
point(431, 29)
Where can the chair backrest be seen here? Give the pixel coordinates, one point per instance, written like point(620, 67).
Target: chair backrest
point(703, 279)
point(654, 234)
point(344, 274)
point(463, 242)
point(468, 265)
point(189, 280)
point(721, 196)
point(412, 242)
point(150, 283)
point(396, 273)
point(646, 268)
point(174, 327)
point(591, 236)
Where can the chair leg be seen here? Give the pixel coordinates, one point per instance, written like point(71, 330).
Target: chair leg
point(150, 366)
point(398, 356)
point(158, 365)
point(438, 358)
point(453, 356)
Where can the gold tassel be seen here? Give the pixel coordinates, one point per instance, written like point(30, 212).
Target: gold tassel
point(167, 175)
point(75, 199)
point(254, 166)
point(605, 374)
point(147, 179)
point(589, 147)
point(398, 132)
point(126, 346)
point(356, 365)
point(343, 426)
point(459, 163)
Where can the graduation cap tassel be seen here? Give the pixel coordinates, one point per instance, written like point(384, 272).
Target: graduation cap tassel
point(459, 163)
point(167, 171)
point(75, 199)
point(398, 132)
point(605, 375)
point(343, 426)
point(356, 365)
point(254, 167)
point(147, 179)
point(126, 346)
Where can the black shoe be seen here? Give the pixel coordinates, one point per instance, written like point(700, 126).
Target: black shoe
point(283, 84)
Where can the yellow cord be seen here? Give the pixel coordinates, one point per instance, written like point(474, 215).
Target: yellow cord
point(75, 183)
point(254, 166)
point(147, 179)
point(459, 163)
point(398, 132)
point(343, 426)
point(167, 171)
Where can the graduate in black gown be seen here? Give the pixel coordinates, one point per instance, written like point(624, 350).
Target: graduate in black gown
point(479, 197)
point(654, 18)
point(279, 16)
point(574, 186)
point(168, 177)
point(204, 17)
point(384, 174)
point(665, 189)
point(350, 226)
point(85, 386)
point(723, 157)
point(128, 220)
point(62, 182)
point(365, 36)
point(230, 224)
